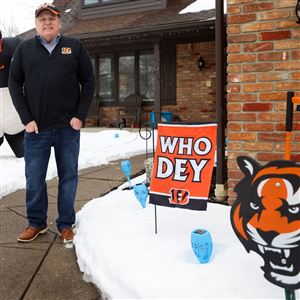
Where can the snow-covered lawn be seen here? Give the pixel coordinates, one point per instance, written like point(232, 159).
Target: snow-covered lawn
point(118, 250)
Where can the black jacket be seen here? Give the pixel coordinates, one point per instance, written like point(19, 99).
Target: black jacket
point(9, 46)
point(51, 88)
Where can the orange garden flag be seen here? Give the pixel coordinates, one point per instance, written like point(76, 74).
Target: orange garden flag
point(183, 165)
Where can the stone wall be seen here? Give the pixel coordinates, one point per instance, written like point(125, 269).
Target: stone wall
point(263, 64)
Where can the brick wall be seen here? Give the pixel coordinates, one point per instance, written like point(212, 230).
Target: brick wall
point(196, 89)
point(263, 64)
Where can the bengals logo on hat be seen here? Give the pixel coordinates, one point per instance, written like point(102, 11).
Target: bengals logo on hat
point(66, 50)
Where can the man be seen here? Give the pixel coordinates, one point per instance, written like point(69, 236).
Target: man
point(11, 126)
point(51, 82)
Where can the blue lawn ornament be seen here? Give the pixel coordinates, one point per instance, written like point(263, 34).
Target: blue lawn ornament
point(202, 244)
point(125, 167)
point(141, 193)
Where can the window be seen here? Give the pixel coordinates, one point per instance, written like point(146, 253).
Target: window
point(146, 67)
point(91, 2)
point(126, 76)
point(120, 74)
point(106, 78)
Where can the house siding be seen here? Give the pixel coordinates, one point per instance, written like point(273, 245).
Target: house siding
point(121, 8)
point(263, 64)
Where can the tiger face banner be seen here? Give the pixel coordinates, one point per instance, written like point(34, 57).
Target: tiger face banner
point(183, 165)
point(266, 217)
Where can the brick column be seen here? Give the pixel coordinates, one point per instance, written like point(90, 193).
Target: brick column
point(263, 64)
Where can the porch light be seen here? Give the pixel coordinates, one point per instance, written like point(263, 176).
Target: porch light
point(298, 11)
point(201, 63)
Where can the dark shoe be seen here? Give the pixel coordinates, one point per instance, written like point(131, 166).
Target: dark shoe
point(66, 235)
point(30, 234)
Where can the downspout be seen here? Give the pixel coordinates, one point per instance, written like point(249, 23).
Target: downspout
point(157, 104)
point(221, 184)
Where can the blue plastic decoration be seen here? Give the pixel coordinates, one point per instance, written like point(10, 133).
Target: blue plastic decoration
point(153, 120)
point(141, 193)
point(202, 245)
point(166, 116)
point(126, 167)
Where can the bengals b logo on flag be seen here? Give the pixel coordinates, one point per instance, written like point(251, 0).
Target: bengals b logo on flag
point(180, 197)
point(183, 165)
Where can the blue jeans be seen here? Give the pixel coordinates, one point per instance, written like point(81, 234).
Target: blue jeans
point(37, 152)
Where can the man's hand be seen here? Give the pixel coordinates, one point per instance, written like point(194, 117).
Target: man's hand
point(76, 123)
point(32, 127)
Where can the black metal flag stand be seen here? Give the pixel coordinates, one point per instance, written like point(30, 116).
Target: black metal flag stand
point(146, 138)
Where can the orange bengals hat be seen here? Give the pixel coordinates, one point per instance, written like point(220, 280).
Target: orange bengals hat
point(47, 6)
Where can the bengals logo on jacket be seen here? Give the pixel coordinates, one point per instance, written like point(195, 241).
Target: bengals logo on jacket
point(266, 217)
point(66, 50)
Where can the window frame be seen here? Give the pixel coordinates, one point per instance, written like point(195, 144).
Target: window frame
point(101, 3)
point(167, 72)
point(121, 54)
point(115, 63)
point(113, 76)
point(145, 52)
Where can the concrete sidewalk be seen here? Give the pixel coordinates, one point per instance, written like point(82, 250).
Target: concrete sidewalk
point(45, 268)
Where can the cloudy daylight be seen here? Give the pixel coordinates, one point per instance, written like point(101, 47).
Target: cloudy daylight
point(211, 88)
point(19, 14)
point(126, 259)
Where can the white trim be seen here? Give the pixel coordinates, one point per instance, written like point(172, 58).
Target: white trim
point(168, 195)
point(188, 125)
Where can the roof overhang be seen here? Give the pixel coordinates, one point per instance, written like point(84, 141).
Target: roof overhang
point(204, 29)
